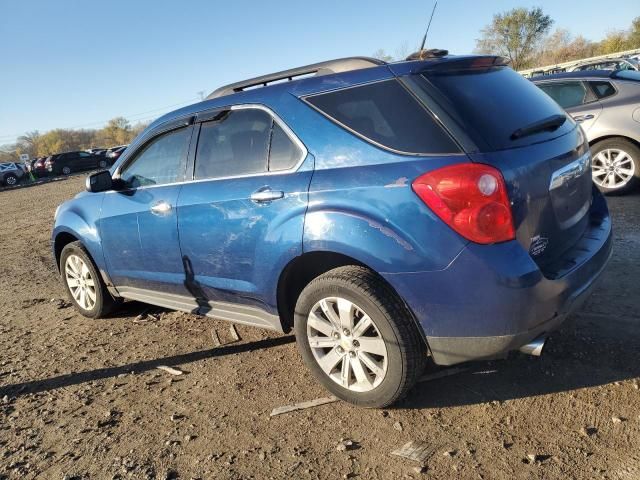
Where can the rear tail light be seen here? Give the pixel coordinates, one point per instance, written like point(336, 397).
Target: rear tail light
point(471, 198)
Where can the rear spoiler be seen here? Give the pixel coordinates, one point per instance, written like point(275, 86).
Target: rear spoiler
point(470, 62)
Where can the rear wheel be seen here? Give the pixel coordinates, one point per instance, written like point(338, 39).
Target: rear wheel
point(11, 179)
point(102, 164)
point(615, 165)
point(358, 338)
point(83, 284)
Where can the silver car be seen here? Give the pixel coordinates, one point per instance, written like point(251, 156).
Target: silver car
point(607, 105)
point(10, 173)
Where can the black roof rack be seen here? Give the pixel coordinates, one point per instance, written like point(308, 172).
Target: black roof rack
point(322, 68)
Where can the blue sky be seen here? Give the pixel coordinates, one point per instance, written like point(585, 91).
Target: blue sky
point(73, 63)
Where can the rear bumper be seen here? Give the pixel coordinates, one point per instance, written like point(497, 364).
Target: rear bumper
point(493, 299)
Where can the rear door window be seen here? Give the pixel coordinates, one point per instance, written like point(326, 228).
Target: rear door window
point(386, 114)
point(567, 94)
point(235, 144)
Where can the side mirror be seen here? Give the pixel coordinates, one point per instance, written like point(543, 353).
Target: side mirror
point(99, 181)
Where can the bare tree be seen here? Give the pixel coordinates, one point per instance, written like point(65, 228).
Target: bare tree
point(515, 34)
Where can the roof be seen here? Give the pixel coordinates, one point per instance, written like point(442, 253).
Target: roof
point(578, 74)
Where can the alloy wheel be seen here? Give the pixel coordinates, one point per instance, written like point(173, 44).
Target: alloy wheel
point(612, 168)
point(66, 170)
point(80, 282)
point(347, 344)
point(11, 180)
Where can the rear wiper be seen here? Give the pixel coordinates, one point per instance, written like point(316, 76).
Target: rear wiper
point(548, 124)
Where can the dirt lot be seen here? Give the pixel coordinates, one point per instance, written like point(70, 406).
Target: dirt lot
point(84, 399)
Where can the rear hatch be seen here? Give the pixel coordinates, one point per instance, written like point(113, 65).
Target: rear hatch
point(503, 120)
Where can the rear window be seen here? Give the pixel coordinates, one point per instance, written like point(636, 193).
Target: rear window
point(491, 104)
point(386, 114)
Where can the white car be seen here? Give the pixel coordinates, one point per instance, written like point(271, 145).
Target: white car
point(10, 173)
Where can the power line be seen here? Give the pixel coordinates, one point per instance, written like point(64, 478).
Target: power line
point(159, 110)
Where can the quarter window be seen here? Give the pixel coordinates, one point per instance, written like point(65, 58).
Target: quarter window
point(566, 94)
point(387, 114)
point(603, 89)
point(161, 161)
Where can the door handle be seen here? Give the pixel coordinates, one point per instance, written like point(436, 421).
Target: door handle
point(582, 118)
point(160, 208)
point(266, 195)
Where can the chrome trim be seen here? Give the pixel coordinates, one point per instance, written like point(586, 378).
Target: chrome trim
point(573, 170)
point(292, 136)
point(534, 347)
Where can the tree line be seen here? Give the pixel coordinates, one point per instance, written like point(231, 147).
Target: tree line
point(525, 37)
point(118, 131)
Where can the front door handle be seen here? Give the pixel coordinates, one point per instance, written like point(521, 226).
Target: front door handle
point(266, 195)
point(160, 208)
point(582, 118)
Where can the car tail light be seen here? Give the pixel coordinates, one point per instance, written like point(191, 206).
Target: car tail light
point(471, 198)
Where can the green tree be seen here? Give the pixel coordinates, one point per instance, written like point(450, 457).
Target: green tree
point(515, 34)
point(633, 40)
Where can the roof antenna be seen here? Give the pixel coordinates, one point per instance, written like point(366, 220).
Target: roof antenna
point(424, 39)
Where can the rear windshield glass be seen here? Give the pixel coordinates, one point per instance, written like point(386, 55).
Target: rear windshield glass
point(388, 115)
point(490, 105)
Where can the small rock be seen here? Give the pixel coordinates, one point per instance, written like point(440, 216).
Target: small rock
point(617, 419)
point(175, 417)
point(344, 445)
point(188, 438)
point(450, 453)
point(262, 456)
point(398, 426)
point(420, 469)
point(588, 431)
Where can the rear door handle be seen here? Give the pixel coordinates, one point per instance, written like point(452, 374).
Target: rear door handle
point(266, 195)
point(582, 118)
point(160, 208)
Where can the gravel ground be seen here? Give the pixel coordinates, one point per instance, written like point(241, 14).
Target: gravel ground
point(84, 399)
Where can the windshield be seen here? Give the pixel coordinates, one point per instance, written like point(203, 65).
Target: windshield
point(491, 104)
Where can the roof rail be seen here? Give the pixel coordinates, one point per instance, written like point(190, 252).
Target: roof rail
point(322, 68)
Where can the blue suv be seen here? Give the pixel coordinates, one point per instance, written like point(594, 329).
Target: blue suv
point(389, 214)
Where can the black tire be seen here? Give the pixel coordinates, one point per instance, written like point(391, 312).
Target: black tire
point(634, 153)
point(405, 344)
point(10, 179)
point(104, 302)
point(66, 170)
point(102, 164)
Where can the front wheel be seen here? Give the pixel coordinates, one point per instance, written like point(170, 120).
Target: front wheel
point(102, 164)
point(66, 170)
point(11, 179)
point(615, 165)
point(358, 338)
point(83, 284)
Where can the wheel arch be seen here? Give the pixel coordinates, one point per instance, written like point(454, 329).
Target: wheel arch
point(614, 137)
point(61, 240)
point(300, 271)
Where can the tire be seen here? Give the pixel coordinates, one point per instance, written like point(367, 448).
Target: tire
point(404, 356)
point(66, 170)
point(611, 173)
point(102, 164)
point(11, 179)
point(102, 303)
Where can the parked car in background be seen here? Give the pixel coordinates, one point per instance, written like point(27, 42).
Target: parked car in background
point(11, 173)
point(38, 168)
point(68, 162)
point(389, 214)
point(607, 105)
point(114, 153)
point(608, 64)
